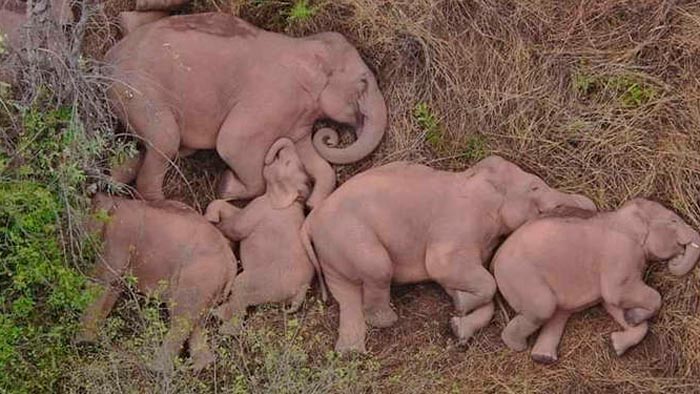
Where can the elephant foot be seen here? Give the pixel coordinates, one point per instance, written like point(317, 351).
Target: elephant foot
point(544, 358)
point(344, 346)
point(620, 343)
point(634, 316)
point(515, 344)
point(462, 328)
point(381, 317)
point(202, 360)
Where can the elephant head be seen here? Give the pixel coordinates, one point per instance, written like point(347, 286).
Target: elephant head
point(525, 196)
point(665, 236)
point(350, 95)
point(284, 173)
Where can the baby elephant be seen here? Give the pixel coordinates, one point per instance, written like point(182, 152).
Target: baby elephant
point(555, 266)
point(169, 247)
point(275, 265)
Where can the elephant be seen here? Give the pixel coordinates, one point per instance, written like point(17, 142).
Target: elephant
point(162, 243)
point(214, 81)
point(407, 223)
point(131, 20)
point(555, 266)
point(159, 5)
point(13, 15)
point(275, 265)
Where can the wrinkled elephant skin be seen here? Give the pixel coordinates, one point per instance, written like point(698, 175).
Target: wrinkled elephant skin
point(214, 81)
point(555, 266)
point(408, 223)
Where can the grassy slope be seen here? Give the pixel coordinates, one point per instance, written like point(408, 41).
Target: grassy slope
point(600, 97)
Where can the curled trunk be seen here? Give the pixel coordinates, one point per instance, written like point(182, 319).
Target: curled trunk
point(370, 130)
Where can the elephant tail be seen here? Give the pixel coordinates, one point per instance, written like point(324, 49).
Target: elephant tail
point(306, 240)
point(132, 20)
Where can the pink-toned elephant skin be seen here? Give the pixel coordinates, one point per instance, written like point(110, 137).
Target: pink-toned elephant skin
point(159, 5)
point(553, 267)
point(275, 265)
point(407, 223)
point(13, 14)
point(172, 251)
point(214, 81)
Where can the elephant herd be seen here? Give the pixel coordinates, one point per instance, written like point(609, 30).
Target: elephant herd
point(213, 81)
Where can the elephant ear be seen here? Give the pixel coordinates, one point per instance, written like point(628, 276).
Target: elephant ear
point(279, 172)
point(634, 220)
point(516, 210)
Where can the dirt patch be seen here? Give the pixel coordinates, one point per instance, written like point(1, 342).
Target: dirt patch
point(597, 97)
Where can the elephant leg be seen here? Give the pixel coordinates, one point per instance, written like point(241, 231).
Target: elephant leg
point(320, 171)
point(351, 329)
point(464, 278)
point(630, 335)
point(464, 327)
point(297, 300)
point(95, 314)
point(200, 352)
point(545, 349)
point(114, 264)
point(162, 137)
point(186, 309)
point(469, 284)
point(376, 271)
point(246, 157)
point(541, 306)
point(126, 172)
point(639, 301)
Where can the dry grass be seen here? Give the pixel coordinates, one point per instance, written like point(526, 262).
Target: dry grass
point(599, 97)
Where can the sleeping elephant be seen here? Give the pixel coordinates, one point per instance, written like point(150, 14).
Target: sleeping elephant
point(212, 80)
point(407, 223)
point(275, 265)
point(159, 5)
point(553, 267)
point(170, 249)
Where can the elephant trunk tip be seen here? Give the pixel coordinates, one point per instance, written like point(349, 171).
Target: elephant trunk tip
point(685, 261)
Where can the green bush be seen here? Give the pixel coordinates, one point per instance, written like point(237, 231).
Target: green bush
point(41, 292)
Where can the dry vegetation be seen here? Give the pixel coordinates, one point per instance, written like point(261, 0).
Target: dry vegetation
point(600, 97)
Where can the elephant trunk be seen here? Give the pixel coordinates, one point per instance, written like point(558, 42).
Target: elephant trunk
point(370, 130)
point(684, 262)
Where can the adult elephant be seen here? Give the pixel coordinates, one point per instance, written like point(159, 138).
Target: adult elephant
point(212, 80)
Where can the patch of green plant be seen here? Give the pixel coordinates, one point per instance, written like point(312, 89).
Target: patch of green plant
point(475, 148)
point(300, 12)
point(629, 90)
point(3, 43)
point(41, 291)
point(261, 358)
point(583, 82)
point(428, 123)
point(40, 296)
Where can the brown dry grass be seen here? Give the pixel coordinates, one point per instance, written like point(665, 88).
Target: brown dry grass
point(599, 97)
